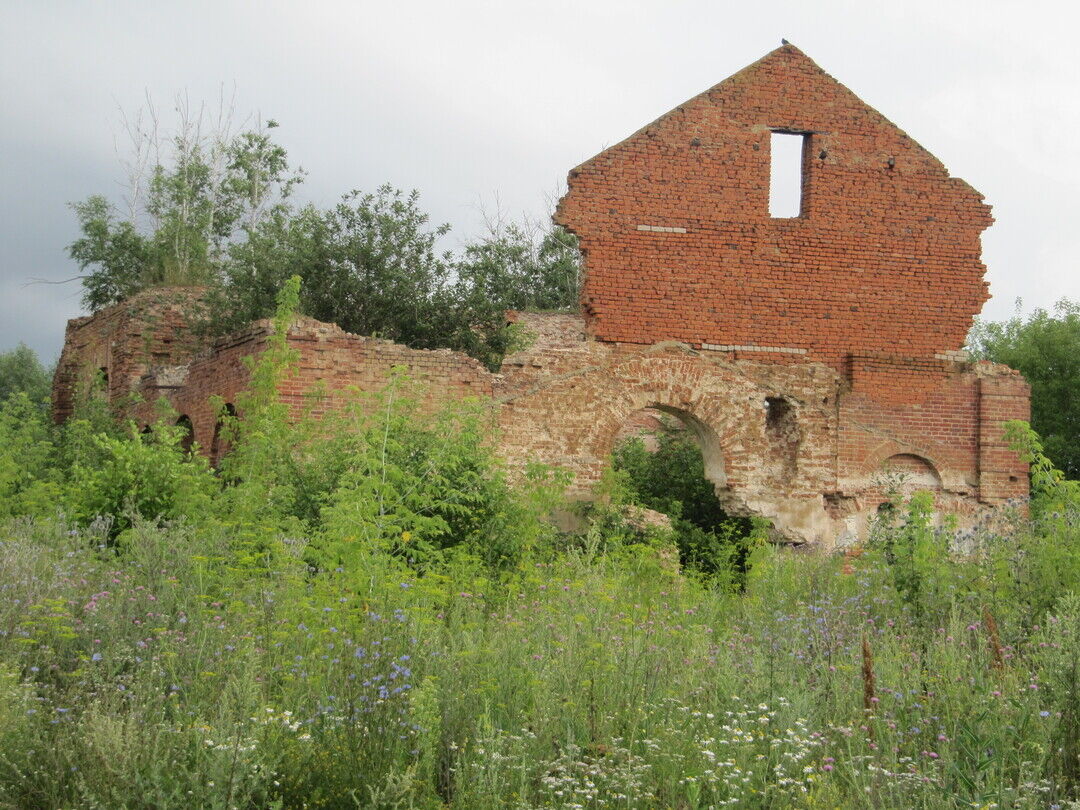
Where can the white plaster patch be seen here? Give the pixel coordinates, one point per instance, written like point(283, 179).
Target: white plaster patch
point(660, 229)
point(724, 347)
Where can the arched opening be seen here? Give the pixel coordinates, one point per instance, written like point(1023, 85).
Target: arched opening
point(672, 463)
point(907, 473)
point(187, 437)
point(220, 445)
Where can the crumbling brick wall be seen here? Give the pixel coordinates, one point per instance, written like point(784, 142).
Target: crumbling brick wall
point(118, 345)
point(674, 222)
point(330, 364)
point(816, 359)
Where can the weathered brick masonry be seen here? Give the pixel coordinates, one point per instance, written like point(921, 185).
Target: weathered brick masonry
point(809, 355)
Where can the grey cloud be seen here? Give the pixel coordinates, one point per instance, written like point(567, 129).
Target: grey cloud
point(480, 100)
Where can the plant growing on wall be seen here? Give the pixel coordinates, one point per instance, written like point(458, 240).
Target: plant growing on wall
point(211, 208)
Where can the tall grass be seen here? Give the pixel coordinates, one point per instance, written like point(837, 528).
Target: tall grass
point(157, 678)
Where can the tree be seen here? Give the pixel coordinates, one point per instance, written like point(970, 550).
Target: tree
point(1045, 348)
point(211, 209)
point(21, 371)
point(190, 196)
point(524, 266)
point(371, 265)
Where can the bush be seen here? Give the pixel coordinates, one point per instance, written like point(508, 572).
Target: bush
point(672, 480)
point(149, 475)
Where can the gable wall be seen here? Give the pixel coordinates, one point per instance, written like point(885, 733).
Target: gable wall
point(883, 259)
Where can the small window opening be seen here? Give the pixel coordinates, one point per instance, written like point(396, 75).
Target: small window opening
point(786, 176)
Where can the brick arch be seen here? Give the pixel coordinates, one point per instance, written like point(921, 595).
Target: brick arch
point(914, 465)
point(951, 479)
point(712, 449)
point(877, 457)
point(675, 385)
point(187, 438)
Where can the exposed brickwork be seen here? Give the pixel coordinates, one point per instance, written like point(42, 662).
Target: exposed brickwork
point(885, 256)
point(331, 363)
point(817, 360)
point(123, 342)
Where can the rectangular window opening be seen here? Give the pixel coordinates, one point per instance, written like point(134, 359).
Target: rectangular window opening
point(786, 175)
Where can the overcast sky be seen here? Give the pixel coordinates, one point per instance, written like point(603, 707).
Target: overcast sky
point(483, 104)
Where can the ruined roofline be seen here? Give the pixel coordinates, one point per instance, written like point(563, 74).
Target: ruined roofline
point(744, 73)
point(136, 301)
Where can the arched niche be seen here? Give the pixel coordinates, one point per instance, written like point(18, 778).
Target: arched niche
point(219, 445)
point(909, 473)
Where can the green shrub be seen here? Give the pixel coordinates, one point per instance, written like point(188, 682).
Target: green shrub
point(30, 481)
point(151, 476)
point(672, 480)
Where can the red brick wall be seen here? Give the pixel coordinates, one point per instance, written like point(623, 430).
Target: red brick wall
point(330, 361)
point(126, 340)
point(1001, 473)
point(883, 258)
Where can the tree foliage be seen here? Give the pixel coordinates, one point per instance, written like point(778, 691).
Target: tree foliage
point(212, 209)
point(1045, 348)
point(369, 264)
point(191, 195)
point(22, 372)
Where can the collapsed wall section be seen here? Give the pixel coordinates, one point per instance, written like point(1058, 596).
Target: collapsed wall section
point(111, 350)
point(815, 358)
point(331, 365)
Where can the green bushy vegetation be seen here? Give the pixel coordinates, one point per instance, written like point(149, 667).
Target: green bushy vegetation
point(1045, 347)
point(22, 372)
point(210, 208)
point(367, 612)
point(671, 479)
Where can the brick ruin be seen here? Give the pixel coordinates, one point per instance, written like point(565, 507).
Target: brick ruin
point(814, 357)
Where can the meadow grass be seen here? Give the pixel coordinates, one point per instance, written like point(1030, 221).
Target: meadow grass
point(162, 676)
